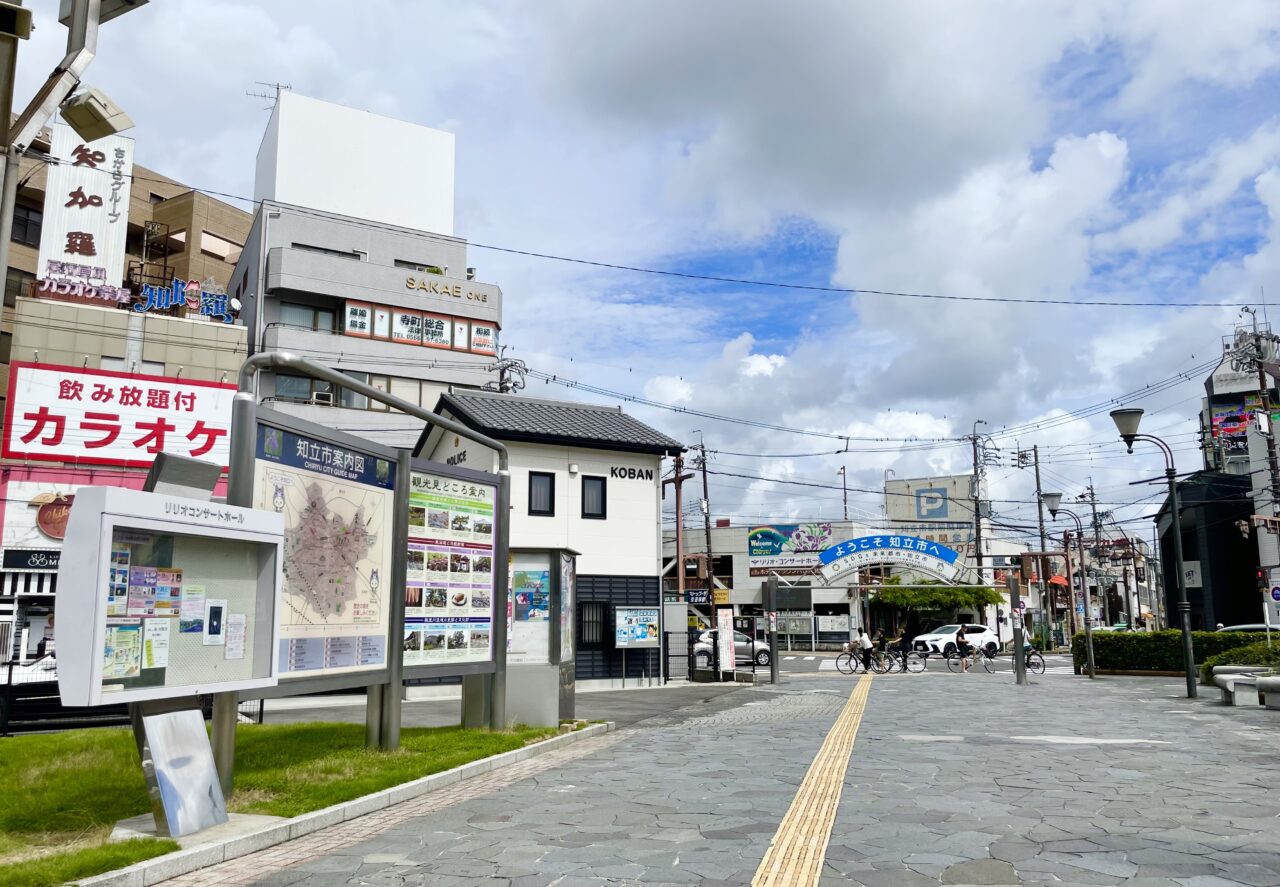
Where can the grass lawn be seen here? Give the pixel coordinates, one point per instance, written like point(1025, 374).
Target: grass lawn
point(67, 790)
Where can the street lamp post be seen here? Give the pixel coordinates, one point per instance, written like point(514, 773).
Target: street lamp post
point(1053, 501)
point(1127, 424)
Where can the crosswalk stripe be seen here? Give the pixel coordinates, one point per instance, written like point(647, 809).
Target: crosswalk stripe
point(810, 658)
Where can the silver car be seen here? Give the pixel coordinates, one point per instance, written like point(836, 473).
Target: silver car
point(704, 653)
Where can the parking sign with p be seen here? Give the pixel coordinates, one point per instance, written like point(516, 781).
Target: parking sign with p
point(931, 503)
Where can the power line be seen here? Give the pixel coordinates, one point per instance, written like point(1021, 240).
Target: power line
point(737, 281)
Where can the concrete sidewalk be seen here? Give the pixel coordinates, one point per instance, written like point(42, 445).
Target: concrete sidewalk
point(952, 779)
point(623, 707)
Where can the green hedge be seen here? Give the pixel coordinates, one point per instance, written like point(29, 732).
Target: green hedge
point(1156, 650)
point(1253, 654)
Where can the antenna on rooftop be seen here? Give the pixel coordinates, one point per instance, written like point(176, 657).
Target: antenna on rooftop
point(269, 97)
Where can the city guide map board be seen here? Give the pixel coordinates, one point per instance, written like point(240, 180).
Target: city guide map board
point(338, 505)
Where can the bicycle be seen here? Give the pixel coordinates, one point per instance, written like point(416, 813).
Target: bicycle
point(1034, 661)
point(955, 660)
point(850, 662)
point(912, 661)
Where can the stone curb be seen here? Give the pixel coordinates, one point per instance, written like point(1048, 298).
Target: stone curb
point(181, 862)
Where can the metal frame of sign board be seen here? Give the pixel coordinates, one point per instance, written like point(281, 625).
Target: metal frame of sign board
point(306, 683)
point(556, 598)
point(447, 669)
point(99, 511)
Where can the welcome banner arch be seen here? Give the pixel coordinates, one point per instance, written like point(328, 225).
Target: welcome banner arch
point(922, 555)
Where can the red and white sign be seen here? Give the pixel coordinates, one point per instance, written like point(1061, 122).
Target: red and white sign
point(97, 417)
point(86, 202)
point(484, 338)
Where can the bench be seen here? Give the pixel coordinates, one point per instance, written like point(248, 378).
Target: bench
point(1239, 683)
point(1269, 690)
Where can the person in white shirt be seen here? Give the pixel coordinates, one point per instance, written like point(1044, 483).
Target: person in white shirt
point(865, 645)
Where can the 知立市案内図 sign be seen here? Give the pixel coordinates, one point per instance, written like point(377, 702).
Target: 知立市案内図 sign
point(338, 505)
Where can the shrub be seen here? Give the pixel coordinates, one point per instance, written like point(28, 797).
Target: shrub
point(1157, 650)
point(1252, 654)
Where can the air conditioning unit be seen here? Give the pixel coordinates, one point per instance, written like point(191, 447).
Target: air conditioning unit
point(322, 398)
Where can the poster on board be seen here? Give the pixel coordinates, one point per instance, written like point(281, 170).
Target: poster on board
point(635, 627)
point(448, 594)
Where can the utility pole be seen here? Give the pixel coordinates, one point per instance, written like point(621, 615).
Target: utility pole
point(706, 515)
point(1273, 463)
point(844, 483)
point(976, 495)
point(1022, 458)
point(677, 480)
point(1092, 498)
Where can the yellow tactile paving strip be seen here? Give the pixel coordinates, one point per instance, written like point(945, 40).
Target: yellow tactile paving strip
point(797, 851)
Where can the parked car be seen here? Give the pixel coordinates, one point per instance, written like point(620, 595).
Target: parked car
point(704, 655)
point(1252, 626)
point(943, 639)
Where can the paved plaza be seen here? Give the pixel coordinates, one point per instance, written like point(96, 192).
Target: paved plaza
point(952, 779)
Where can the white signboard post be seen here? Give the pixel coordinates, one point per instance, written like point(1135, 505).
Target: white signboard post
point(86, 202)
point(99, 417)
point(724, 640)
point(144, 564)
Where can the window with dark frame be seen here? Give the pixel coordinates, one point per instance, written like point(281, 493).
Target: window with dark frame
point(542, 494)
point(27, 223)
point(15, 284)
point(591, 622)
point(595, 499)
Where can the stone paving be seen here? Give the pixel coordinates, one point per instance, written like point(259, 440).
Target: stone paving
point(954, 779)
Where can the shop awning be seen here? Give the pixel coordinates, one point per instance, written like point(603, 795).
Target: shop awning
point(16, 582)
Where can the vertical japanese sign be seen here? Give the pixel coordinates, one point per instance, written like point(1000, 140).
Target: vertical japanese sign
point(86, 203)
point(338, 506)
point(448, 595)
point(97, 417)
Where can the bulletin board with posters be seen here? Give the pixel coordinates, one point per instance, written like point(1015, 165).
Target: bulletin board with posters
point(450, 555)
point(167, 597)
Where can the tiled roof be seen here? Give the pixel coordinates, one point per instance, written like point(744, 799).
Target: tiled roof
point(509, 417)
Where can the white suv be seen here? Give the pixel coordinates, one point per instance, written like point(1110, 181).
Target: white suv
point(943, 639)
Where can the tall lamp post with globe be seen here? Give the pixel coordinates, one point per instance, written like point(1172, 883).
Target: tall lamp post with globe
point(1053, 502)
point(1127, 424)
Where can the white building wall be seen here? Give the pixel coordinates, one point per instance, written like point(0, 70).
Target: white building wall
point(625, 543)
point(317, 154)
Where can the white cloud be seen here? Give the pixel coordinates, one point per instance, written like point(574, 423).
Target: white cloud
point(915, 135)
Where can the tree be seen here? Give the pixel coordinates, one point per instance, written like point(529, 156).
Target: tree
point(937, 596)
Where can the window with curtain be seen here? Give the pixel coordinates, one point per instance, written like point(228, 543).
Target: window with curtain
point(593, 498)
point(542, 493)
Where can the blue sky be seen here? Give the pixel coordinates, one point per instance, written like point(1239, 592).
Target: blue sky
point(1053, 150)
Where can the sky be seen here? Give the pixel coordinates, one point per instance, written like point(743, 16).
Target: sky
point(1055, 151)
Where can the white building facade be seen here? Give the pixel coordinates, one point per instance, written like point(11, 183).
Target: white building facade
point(587, 480)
